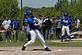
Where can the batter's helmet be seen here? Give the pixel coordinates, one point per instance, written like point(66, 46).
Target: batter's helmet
point(29, 13)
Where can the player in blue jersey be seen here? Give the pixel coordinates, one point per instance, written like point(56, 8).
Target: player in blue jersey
point(65, 23)
point(34, 32)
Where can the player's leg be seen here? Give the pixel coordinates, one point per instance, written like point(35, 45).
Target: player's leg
point(63, 33)
point(28, 35)
point(9, 35)
point(68, 33)
point(41, 38)
point(16, 35)
point(6, 37)
point(33, 37)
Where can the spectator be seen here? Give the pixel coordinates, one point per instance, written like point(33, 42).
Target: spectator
point(77, 24)
point(52, 29)
point(43, 25)
point(47, 26)
point(40, 21)
point(15, 27)
point(6, 25)
point(58, 27)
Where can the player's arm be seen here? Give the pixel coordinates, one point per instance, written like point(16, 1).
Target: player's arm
point(37, 22)
point(61, 21)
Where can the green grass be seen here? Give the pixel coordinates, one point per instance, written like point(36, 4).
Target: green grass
point(66, 44)
point(76, 43)
point(55, 43)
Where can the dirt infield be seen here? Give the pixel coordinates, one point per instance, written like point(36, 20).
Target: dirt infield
point(39, 51)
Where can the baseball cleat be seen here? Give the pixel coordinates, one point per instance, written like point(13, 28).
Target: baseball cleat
point(23, 48)
point(47, 49)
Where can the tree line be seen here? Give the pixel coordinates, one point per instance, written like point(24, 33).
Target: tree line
point(10, 9)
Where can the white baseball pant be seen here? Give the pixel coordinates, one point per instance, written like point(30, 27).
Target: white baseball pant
point(34, 34)
point(65, 28)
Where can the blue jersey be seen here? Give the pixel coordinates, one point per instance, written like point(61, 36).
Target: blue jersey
point(14, 24)
point(25, 21)
point(66, 21)
point(31, 21)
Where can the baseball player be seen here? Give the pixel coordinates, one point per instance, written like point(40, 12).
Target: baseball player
point(34, 32)
point(65, 23)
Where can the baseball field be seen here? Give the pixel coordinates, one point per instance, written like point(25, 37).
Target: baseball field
point(66, 48)
point(39, 51)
